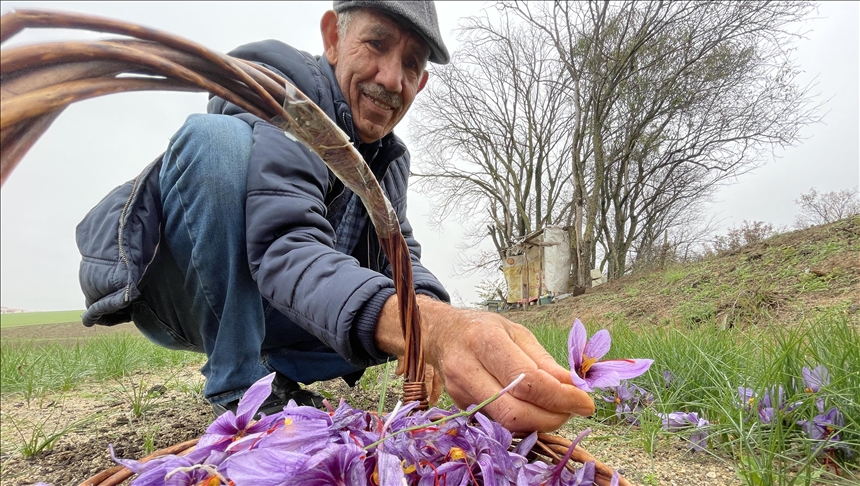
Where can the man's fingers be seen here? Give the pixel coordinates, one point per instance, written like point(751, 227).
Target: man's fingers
point(543, 389)
point(512, 413)
point(532, 347)
point(433, 382)
point(507, 360)
point(519, 416)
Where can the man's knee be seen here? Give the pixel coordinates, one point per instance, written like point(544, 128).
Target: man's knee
point(220, 142)
point(208, 151)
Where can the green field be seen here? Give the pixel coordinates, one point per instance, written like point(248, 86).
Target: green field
point(33, 318)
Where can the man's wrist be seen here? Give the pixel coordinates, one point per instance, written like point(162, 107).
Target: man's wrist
point(389, 332)
point(366, 323)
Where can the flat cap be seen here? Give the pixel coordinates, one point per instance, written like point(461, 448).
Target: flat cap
point(420, 17)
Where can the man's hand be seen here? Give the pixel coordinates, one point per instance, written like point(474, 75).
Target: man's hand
point(476, 354)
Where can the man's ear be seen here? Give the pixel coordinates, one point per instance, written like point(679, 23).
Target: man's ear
point(423, 81)
point(328, 28)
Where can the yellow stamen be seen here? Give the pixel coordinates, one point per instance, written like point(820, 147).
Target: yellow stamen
point(457, 453)
point(587, 363)
point(407, 469)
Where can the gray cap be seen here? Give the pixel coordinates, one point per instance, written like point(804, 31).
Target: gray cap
point(420, 17)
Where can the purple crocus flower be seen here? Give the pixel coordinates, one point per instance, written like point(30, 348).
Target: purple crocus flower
point(630, 400)
point(678, 421)
point(747, 397)
point(337, 464)
point(823, 426)
point(266, 466)
point(202, 463)
point(815, 378)
point(230, 426)
point(668, 378)
point(773, 403)
point(587, 372)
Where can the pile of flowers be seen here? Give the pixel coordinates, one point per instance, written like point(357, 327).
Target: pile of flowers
point(343, 445)
point(304, 445)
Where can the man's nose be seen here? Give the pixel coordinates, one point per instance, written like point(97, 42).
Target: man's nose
point(390, 73)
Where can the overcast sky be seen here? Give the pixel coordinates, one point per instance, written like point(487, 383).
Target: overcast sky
point(98, 144)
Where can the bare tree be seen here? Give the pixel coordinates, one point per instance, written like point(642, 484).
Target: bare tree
point(494, 136)
point(672, 99)
point(616, 119)
point(817, 208)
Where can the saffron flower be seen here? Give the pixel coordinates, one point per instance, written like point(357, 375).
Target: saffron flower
point(815, 378)
point(747, 397)
point(773, 403)
point(682, 421)
point(231, 426)
point(586, 369)
point(823, 427)
point(630, 401)
point(669, 378)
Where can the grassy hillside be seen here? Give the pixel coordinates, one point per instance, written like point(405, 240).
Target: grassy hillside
point(795, 276)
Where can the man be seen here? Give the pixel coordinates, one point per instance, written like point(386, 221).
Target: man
point(240, 243)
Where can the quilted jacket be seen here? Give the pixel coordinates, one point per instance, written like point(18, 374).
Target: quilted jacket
point(295, 211)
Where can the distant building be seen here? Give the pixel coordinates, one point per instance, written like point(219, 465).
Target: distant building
point(538, 266)
point(10, 310)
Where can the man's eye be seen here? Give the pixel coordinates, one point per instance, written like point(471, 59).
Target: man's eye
point(376, 44)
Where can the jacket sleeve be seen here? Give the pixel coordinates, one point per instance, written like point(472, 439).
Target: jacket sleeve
point(291, 247)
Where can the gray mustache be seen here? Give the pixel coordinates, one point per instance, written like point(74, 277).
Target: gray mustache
point(380, 93)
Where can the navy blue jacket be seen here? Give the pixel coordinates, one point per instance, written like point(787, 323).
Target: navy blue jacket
point(294, 212)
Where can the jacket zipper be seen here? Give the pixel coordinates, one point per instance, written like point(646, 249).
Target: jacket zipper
point(119, 234)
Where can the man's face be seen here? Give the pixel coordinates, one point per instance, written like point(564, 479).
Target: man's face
point(379, 66)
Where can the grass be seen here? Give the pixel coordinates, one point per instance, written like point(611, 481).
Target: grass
point(34, 369)
point(37, 318)
point(709, 365)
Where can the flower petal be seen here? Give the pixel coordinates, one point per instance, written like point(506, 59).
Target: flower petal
point(388, 470)
point(252, 399)
point(624, 368)
point(602, 377)
point(598, 345)
point(265, 466)
point(576, 344)
point(579, 382)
